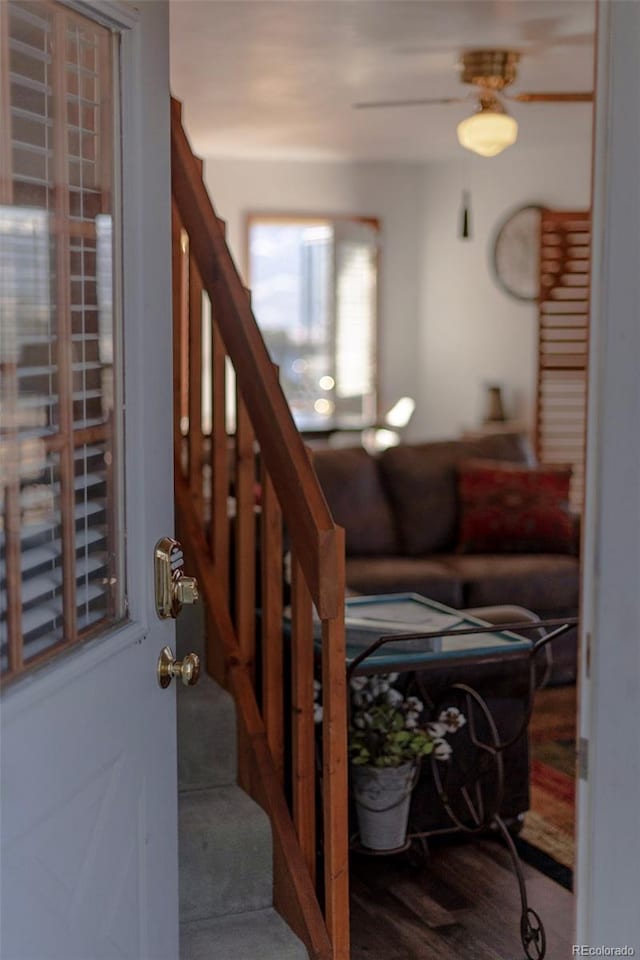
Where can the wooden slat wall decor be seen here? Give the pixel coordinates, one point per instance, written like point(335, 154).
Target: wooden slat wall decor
point(289, 495)
point(563, 342)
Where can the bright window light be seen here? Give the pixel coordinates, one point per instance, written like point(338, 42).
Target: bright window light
point(314, 295)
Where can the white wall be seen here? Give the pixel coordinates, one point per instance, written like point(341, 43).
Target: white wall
point(391, 192)
point(446, 328)
point(472, 332)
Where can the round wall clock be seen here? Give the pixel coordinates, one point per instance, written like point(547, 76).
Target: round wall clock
point(516, 251)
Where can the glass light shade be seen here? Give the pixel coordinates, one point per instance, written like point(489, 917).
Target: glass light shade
point(487, 133)
point(401, 412)
point(375, 440)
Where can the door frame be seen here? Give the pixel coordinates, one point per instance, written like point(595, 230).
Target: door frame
point(608, 850)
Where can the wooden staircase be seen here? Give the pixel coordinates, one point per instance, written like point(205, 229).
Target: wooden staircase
point(225, 838)
point(235, 544)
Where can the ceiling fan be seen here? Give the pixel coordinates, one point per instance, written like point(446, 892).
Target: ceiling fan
point(490, 129)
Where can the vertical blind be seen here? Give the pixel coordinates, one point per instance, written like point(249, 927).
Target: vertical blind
point(563, 342)
point(58, 566)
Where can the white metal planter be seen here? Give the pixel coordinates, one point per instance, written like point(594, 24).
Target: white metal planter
point(382, 796)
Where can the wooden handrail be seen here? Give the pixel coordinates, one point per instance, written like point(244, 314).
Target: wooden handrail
point(311, 526)
point(226, 528)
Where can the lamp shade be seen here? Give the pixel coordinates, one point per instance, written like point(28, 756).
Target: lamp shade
point(400, 413)
point(488, 132)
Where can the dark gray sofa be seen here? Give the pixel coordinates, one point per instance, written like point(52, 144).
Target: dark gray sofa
point(400, 512)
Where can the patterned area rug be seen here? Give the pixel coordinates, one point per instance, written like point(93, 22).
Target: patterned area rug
point(547, 838)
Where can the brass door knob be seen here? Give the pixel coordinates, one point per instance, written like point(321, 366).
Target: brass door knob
point(168, 667)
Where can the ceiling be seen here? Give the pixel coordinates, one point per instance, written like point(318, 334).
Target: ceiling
point(277, 78)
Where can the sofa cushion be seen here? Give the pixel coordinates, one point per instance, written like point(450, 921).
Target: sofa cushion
point(545, 583)
point(354, 492)
point(509, 508)
point(428, 576)
point(421, 482)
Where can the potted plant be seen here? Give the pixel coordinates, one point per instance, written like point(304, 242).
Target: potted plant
point(387, 741)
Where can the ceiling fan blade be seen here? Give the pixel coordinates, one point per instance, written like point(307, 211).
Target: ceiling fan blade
point(585, 96)
point(425, 101)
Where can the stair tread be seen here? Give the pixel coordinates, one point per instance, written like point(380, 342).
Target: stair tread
point(226, 860)
point(206, 690)
point(242, 936)
point(206, 720)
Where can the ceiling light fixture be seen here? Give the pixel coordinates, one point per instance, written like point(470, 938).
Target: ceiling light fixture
point(490, 130)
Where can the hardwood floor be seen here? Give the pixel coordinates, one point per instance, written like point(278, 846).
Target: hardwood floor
point(463, 904)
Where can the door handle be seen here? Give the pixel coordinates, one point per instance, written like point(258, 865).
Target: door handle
point(168, 667)
point(173, 589)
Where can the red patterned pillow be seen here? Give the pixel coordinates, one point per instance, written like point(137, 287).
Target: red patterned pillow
point(510, 508)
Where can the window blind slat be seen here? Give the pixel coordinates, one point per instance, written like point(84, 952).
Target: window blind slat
point(37, 556)
point(48, 587)
point(43, 616)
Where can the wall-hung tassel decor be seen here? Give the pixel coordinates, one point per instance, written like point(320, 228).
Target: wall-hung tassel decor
point(465, 216)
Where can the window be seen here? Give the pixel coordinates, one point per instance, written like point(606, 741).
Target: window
point(60, 573)
point(314, 295)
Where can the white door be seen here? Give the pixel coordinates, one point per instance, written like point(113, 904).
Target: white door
point(89, 848)
point(608, 875)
